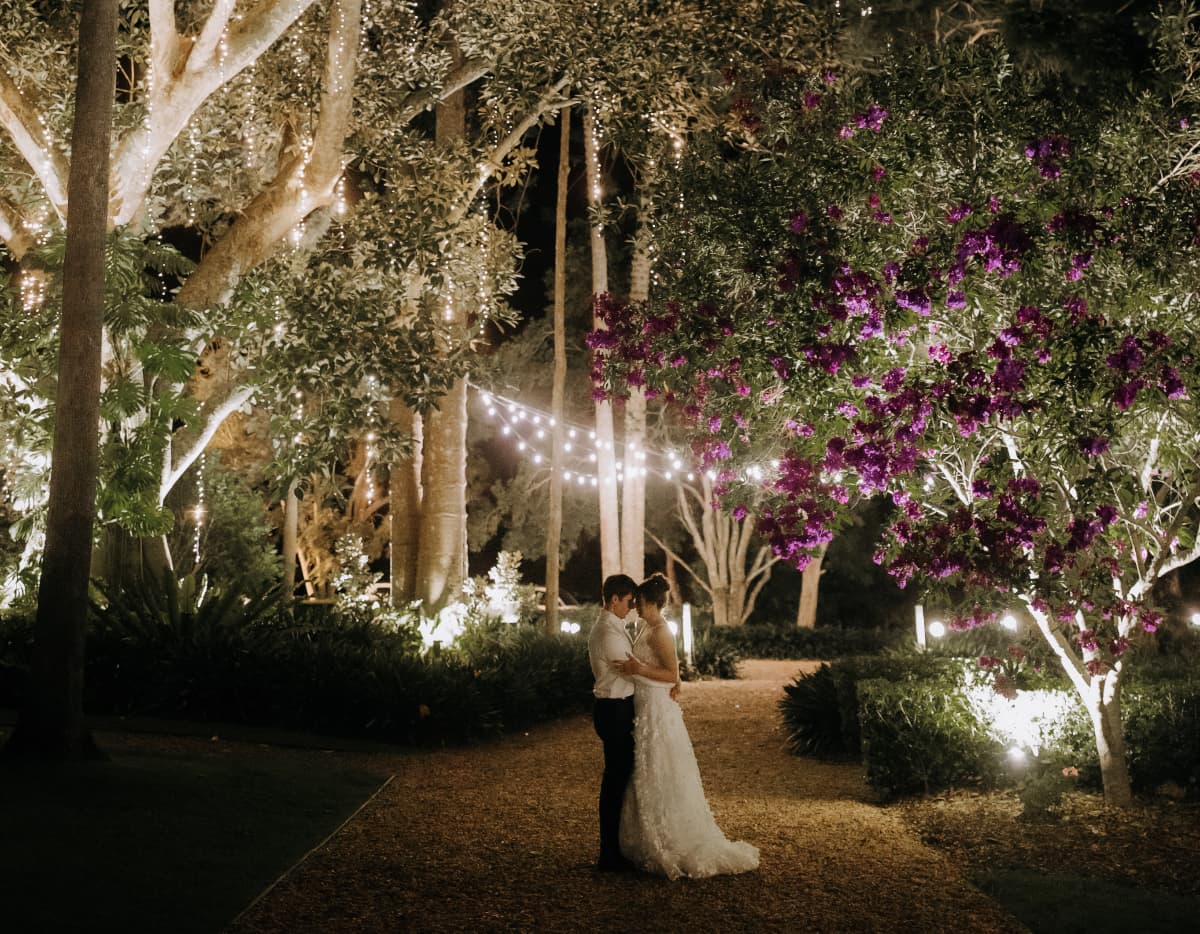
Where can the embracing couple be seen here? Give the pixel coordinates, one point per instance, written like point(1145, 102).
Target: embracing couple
point(653, 813)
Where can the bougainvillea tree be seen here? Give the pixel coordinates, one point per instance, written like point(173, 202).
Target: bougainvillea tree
point(964, 289)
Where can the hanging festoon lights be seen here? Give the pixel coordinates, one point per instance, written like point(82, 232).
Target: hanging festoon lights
point(529, 430)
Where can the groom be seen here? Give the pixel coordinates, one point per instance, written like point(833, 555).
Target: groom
point(612, 714)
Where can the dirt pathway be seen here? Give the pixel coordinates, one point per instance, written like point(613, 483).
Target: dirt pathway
point(500, 837)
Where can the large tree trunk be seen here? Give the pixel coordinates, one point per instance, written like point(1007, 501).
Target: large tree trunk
point(51, 722)
point(442, 558)
point(1103, 702)
point(633, 498)
point(810, 584)
point(606, 457)
point(558, 387)
point(404, 508)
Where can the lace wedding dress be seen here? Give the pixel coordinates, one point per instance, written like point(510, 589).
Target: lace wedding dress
point(667, 827)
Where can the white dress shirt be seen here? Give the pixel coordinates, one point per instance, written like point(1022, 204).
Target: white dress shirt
point(607, 643)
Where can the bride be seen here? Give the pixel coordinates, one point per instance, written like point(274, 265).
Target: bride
point(666, 825)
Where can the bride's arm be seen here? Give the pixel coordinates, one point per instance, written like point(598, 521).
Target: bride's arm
point(667, 670)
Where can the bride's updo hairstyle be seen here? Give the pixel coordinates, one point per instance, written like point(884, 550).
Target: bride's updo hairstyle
point(654, 589)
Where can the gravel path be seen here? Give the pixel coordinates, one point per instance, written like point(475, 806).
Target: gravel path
point(500, 837)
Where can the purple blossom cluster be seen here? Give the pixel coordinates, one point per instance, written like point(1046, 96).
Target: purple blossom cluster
point(1000, 247)
point(1047, 153)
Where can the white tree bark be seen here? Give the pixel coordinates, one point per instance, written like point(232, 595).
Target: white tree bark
point(723, 544)
point(810, 583)
point(606, 459)
point(633, 493)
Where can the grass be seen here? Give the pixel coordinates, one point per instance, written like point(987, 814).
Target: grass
point(160, 842)
point(1062, 904)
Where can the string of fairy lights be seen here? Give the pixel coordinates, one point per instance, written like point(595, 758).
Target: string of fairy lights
point(530, 430)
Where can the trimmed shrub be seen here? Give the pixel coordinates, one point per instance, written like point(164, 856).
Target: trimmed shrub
point(823, 642)
point(714, 654)
point(920, 735)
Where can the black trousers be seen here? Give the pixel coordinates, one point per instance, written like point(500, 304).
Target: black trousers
point(613, 720)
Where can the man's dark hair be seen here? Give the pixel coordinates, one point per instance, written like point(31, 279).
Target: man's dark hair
point(618, 585)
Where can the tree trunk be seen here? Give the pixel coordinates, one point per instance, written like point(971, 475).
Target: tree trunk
point(1103, 704)
point(291, 543)
point(558, 387)
point(606, 457)
point(810, 583)
point(633, 498)
point(442, 556)
point(51, 722)
point(720, 600)
point(404, 508)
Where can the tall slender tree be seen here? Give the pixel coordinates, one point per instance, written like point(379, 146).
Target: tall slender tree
point(558, 387)
point(51, 723)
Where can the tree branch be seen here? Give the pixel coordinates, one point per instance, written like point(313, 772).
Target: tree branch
point(748, 606)
point(178, 92)
point(417, 101)
point(12, 230)
point(204, 50)
point(216, 418)
point(20, 118)
point(494, 161)
point(678, 560)
point(304, 183)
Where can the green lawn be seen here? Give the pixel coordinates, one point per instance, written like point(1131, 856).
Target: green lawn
point(159, 842)
point(1074, 905)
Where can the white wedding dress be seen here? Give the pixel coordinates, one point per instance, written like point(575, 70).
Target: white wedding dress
point(667, 827)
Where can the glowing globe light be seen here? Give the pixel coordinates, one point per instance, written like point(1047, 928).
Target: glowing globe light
point(1009, 622)
point(937, 629)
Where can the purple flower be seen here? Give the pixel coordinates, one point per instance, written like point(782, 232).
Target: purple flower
point(714, 424)
point(1124, 396)
point(877, 172)
point(1129, 358)
point(828, 76)
point(798, 222)
point(1171, 384)
point(890, 271)
point(846, 132)
point(1094, 446)
point(958, 212)
point(939, 353)
point(739, 513)
point(833, 212)
point(812, 100)
point(847, 409)
point(956, 300)
point(914, 300)
point(1107, 514)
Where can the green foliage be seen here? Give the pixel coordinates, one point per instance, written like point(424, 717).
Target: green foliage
point(913, 721)
point(809, 707)
point(237, 539)
point(917, 736)
point(714, 653)
point(757, 640)
point(168, 651)
point(1162, 731)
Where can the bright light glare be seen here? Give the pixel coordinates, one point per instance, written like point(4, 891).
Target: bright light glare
point(1017, 754)
point(1009, 622)
point(568, 627)
point(937, 629)
point(1196, 619)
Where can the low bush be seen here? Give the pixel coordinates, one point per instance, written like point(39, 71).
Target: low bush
point(925, 721)
point(810, 709)
point(323, 669)
point(921, 735)
point(714, 654)
point(823, 642)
